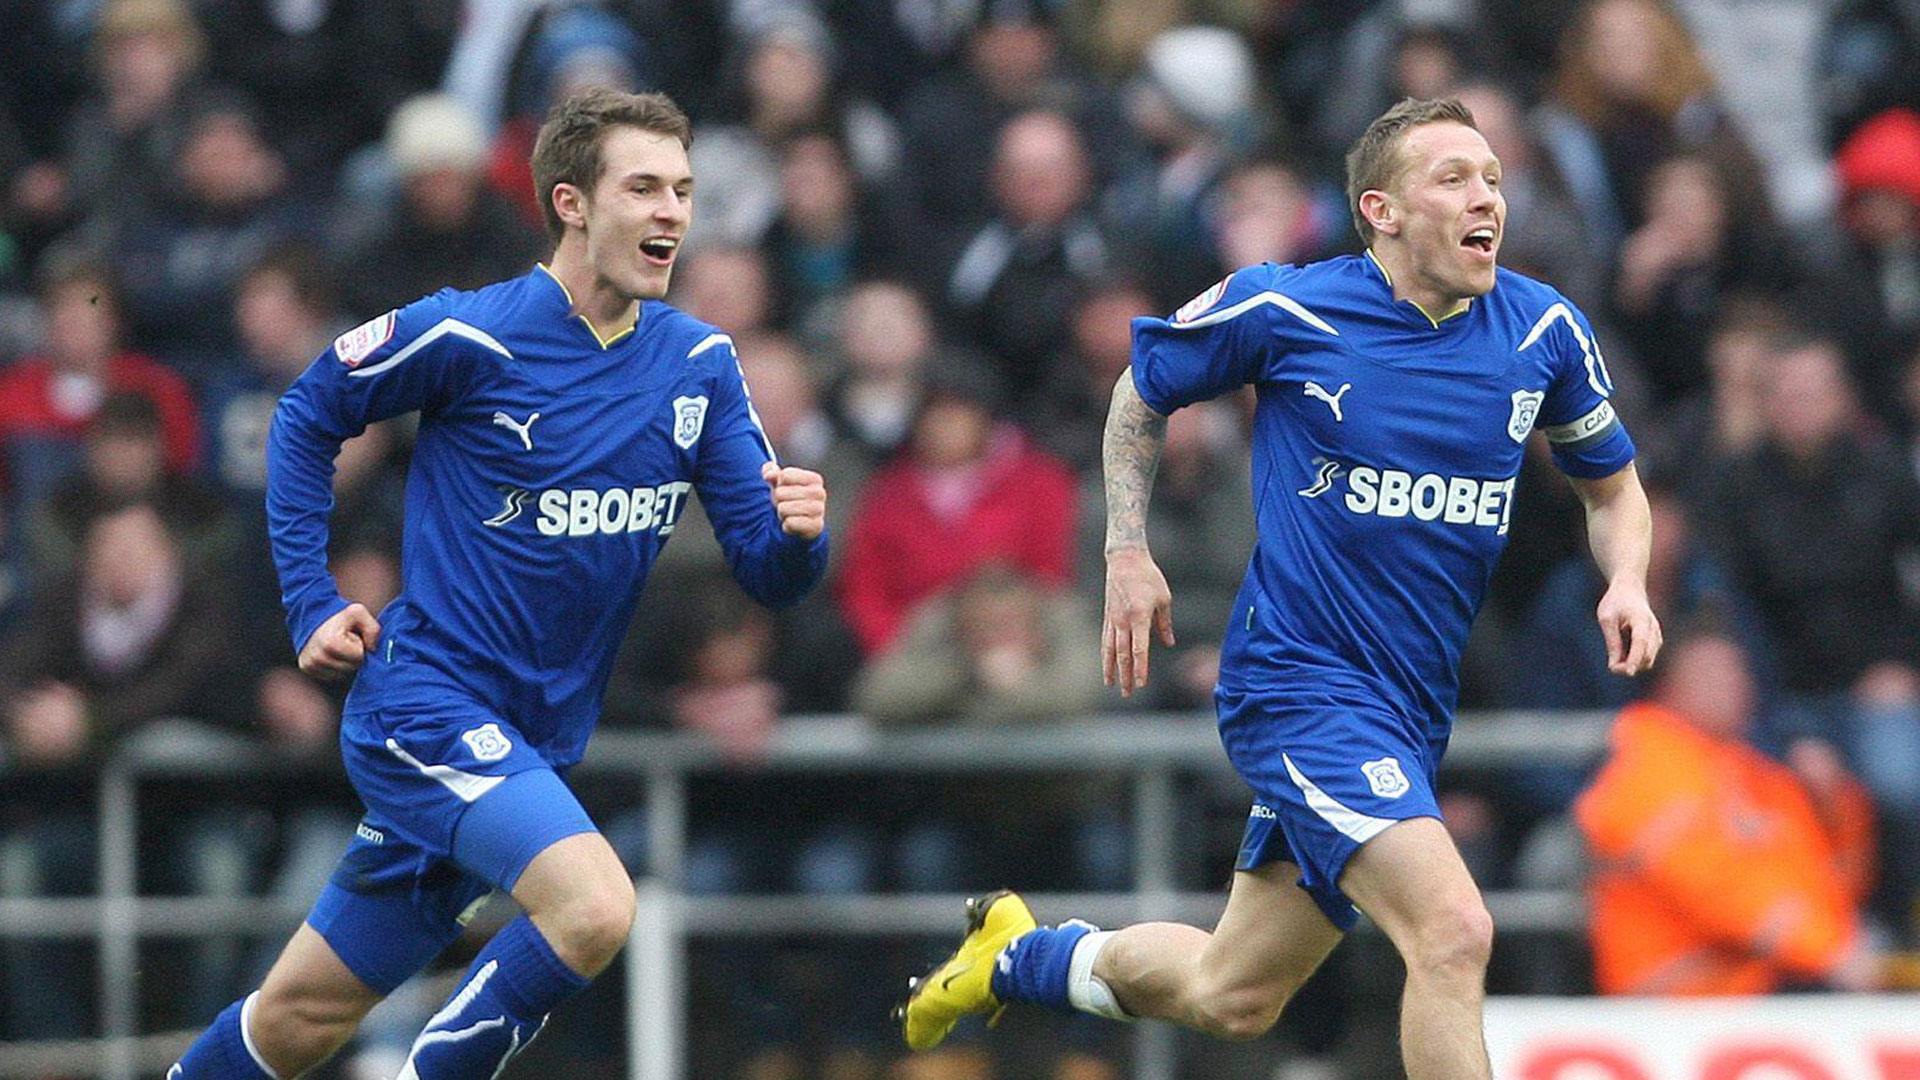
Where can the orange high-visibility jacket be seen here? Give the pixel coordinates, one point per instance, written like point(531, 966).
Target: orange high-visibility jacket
point(1714, 872)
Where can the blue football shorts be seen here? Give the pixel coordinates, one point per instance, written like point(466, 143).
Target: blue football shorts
point(458, 803)
point(1326, 779)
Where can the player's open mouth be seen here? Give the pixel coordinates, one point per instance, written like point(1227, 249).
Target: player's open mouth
point(660, 250)
point(1480, 241)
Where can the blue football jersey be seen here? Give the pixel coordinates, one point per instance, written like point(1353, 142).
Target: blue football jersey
point(549, 471)
point(1385, 451)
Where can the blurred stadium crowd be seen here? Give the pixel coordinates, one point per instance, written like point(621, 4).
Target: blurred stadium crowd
point(927, 223)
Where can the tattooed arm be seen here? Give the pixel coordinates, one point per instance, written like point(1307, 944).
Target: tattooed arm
point(1138, 600)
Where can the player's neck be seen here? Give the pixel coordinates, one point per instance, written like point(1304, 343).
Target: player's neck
point(594, 299)
point(1407, 285)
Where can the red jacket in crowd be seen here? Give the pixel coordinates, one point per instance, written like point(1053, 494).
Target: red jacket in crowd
point(34, 405)
point(918, 533)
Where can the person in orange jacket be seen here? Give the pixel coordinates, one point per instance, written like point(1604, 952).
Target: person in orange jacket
point(1717, 870)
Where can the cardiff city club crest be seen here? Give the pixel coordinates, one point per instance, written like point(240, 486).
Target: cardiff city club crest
point(1526, 406)
point(689, 416)
point(487, 742)
point(1385, 778)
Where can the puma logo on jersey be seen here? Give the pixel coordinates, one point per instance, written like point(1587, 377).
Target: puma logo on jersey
point(525, 431)
point(1455, 500)
point(586, 511)
point(1315, 390)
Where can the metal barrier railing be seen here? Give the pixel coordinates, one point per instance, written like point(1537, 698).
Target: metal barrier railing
point(1152, 751)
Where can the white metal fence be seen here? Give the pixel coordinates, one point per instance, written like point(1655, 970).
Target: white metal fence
point(1152, 752)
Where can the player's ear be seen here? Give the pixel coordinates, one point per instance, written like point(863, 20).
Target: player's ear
point(1377, 207)
point(570, 203)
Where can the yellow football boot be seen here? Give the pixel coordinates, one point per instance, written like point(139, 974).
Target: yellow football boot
point(963, 984)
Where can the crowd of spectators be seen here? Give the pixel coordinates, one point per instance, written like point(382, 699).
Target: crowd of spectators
point(926, 223)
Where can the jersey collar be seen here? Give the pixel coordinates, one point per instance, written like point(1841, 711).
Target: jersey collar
point(605, 341)
point(1465, 305)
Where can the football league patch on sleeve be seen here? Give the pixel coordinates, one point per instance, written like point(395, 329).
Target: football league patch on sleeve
point(1198, 306)
point(354, 346)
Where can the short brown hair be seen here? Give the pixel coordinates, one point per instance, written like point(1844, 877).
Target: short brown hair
point(64, 267)
point(568, 148)
point(1375, 161)
point(306, 272)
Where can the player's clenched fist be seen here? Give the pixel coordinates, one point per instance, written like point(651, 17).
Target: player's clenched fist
point(341, 644)
point(799, 497)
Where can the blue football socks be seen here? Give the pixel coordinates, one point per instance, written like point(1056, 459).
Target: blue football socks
point(224, 1051)
point(1035, 967)
point(500, 1006)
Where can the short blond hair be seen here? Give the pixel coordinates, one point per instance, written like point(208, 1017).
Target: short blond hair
point(567, 150)
point(1377, 160)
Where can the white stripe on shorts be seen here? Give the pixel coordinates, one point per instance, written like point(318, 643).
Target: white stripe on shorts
point(1352, 823)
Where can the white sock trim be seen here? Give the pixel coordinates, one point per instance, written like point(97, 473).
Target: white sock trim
point(246, 1036)
point(1086, 991)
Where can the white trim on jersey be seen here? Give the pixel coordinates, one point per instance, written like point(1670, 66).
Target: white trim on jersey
point(469, 786)
point(1279, 300)
point(709, 342)
point(746, 391)
point(753, 414)
point(1597, 375)
point(1360, 827)
point(439, 330)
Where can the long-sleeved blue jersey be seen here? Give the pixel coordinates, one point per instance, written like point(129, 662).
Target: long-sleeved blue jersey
point(1385, 450)
point(550, 470)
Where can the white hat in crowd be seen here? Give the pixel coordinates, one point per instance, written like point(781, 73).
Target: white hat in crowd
point(1206, 72)
point(434, 131)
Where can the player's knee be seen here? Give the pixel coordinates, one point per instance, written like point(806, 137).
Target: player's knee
point(595, 923)
point(1455, 938)
point(1241, 1014)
